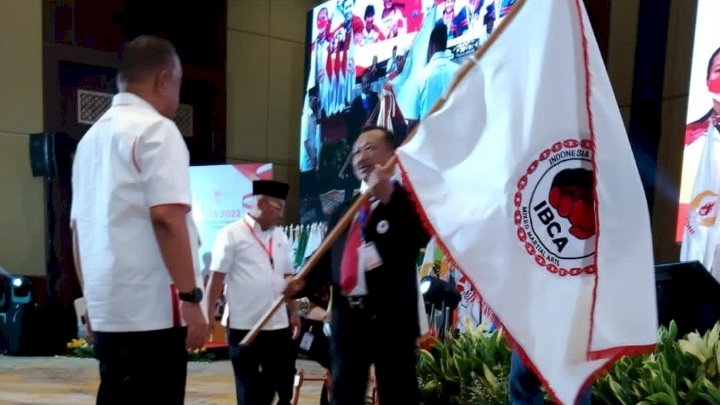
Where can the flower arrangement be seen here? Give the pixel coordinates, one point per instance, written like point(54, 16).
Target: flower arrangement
point(201, 355)
point(81, 348)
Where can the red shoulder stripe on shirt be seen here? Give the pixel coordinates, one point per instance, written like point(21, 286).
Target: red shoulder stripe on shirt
point(134, 157)
point(175, 305)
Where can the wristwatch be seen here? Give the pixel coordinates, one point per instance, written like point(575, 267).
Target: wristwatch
point(194, 295)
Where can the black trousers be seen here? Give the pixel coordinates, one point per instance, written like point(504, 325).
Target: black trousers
point(263, 368)
point(359, 341)
point(310, 191)
point(142, 367)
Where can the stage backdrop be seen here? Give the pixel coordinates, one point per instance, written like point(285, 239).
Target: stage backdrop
point(221, 194)
point(703, 100)
point(354, 48)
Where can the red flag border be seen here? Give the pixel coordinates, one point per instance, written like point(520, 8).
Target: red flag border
point(611, 354)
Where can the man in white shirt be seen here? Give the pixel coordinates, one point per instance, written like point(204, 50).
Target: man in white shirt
point(133, 236)
point(392, 65)
point(310, 145)
point(435, 78)
point(252, 257)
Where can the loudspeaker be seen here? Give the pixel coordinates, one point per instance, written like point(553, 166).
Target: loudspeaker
point(19, 334)
point(42, 154)
point(5, 293)
point(688, 294)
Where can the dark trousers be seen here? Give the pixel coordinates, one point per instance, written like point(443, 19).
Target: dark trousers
point(356, 343)
point(525, 386)
point(142, 367)
point(264, 367)
point(350, 184)
point(310, 193)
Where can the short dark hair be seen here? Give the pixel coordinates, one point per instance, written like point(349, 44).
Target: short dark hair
point(143, 56)
point(369, 10)
point(439, 36)
point(313, 91)
point(390, 137)
point(710, 63)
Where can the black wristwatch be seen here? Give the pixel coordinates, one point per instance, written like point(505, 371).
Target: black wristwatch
point(194, 295)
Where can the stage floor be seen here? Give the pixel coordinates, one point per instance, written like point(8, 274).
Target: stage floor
point(63, 380)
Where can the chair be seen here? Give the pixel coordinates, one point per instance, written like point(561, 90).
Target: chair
point(300, 378)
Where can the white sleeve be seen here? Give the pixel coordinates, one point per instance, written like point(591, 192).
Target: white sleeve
point(423, 322)
point(74, 186)
point(163, 160)
point(308, 128)
point(304, 126)
point(413, 91)
point(223, 252)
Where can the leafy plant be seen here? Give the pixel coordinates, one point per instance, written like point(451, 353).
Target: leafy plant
point(471, 367)
point(684, 371)
point(80, 348)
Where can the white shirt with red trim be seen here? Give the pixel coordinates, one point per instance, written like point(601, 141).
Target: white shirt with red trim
point(131, 159)
point(252, 284)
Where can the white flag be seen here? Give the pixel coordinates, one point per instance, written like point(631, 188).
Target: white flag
point(313, 241)
point(527, 178)
point(701, 228)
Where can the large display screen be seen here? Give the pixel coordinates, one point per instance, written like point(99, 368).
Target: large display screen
point(354, 48)
point(703, 101)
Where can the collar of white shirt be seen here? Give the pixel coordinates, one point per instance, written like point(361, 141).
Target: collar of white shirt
point(396, 178)
point(309, 113)
point(130, 99)
point(256, 226)
point(446, 54)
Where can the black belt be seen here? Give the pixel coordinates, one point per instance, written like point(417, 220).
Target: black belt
point(359, 303)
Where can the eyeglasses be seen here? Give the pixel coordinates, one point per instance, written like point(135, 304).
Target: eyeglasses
point(367, 148)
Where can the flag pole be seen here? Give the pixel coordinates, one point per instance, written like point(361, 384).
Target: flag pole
point(350, 213)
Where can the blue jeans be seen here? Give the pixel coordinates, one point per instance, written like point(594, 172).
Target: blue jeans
point(525, 386)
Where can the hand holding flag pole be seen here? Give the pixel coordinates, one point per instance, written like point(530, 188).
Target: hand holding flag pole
point(308, 266)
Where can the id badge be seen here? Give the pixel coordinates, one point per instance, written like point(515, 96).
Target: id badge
point(306, 341)
point(370, 256)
